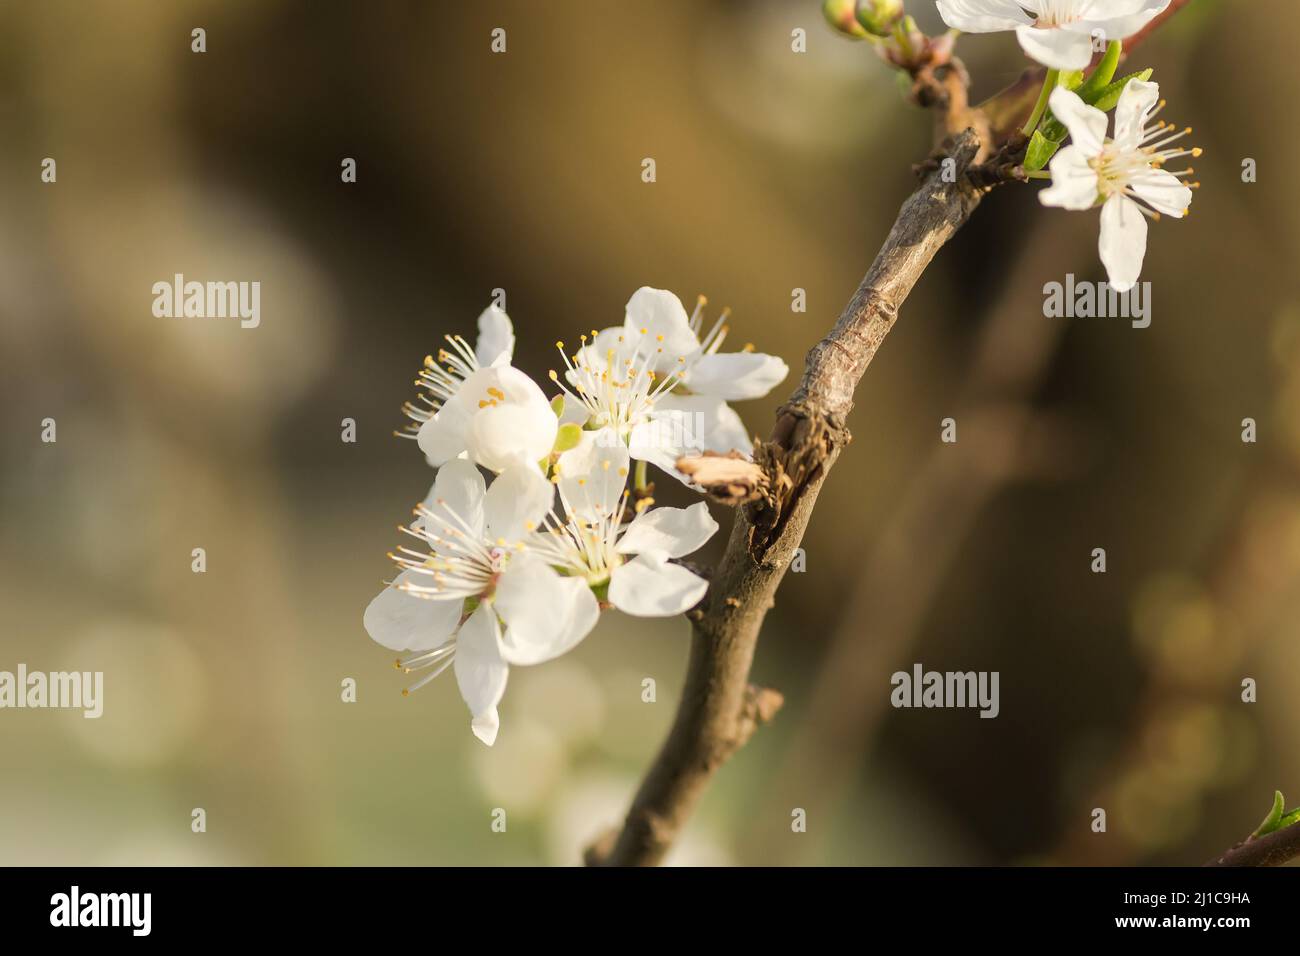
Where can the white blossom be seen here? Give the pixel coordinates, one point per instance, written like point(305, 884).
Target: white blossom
point(498, 417)
point(1056, 33)
point(441, 377)
point(477, 599)
point(661, 383)
point(1124, 174)
point(629, 561)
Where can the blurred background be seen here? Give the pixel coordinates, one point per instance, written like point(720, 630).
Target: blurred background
point(522, 171)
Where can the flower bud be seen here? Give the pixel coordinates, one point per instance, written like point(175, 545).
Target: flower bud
point(839, 14)
point(879, 16)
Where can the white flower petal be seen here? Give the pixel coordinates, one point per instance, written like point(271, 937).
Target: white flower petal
point(659, 312)
point(496, 337)
point(520, 426)
point(459, 486)
point(1123, 242)
point(574, 412)
point(675, 532)
point(1120, 19)
point(653, 442)
point(480, 670)
point(545, 613)
point(651, 586)
point(735, 376)
point(983, 16)
point(1162, 191)
point(1087, 124)
point(600, 352)
point(442, 436)
point(594, 473)
point(1131, 112)
point(516, 503)
point(1074, 182)
point(404, 622)
point(1056, 48)
point(705, 423)
point(486, 725)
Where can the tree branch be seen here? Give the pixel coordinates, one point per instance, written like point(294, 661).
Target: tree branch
point(719, 710)
point(1273, 849)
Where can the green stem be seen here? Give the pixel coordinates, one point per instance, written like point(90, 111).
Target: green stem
point(640, 476)
point(1049, 84)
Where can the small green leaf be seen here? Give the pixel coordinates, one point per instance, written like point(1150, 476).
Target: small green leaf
point(1106, 98)
point(557, 405)
point(1104, 73)
point(567, 437)
point(1040, 150)
point(1291, 818)
point(1274, 818)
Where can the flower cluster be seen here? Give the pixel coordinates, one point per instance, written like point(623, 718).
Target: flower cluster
point(517, 571)
point(1124, 174)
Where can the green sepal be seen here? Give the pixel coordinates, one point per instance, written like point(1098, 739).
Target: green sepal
point(1104, 73)
point(1103, 99)
point(1040, 151)
point(557, 405)
point(1106, 98)
point(1070, 79)
point(567, 436)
